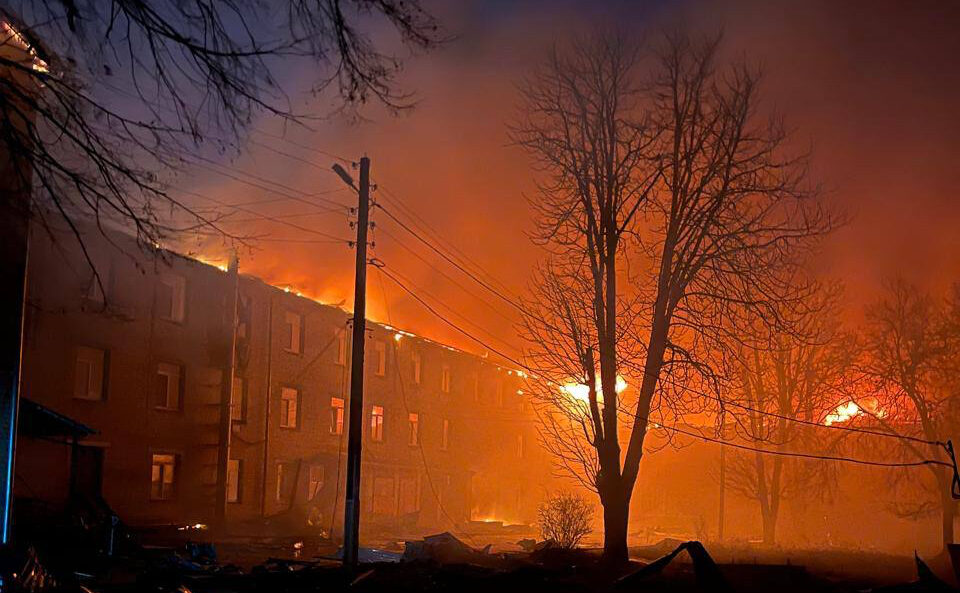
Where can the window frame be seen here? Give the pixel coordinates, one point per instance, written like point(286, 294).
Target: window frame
point(446, 378)
point(284, 389)
point(413, 429)
point(174, 463)
point(417, 357)
point(445, 435)
point(180, 383)
point(238, 410)
point(301, 322)
point(178, 287)
point(315, 487)
point(376, 423)
point(341, 354)
point(235, 493)
point(104, 364)
point(380, 349)
point(337, 415)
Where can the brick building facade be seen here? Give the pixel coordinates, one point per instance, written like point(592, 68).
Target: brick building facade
point(139, 356)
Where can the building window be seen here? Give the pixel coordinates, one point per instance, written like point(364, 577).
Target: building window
point(341, 346)
point(169, 384)
point(293, 332)
point(172, 297)
point(284, 480)
point(417, 366)
point(289, 407)
point(163, 477)
point(520, 446)
point(445, 435)
point(238, 400)
point(336, 415)
point(500, 393)
point(445, 379)
point(315, 482)
point(376, 423)
point(475, 386)
point(381, 349)
point(384, 496)
point(409, 494)
point(90, 379)
point(233, 480)
point(414, 436)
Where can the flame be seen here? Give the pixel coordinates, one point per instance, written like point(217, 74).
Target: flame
point(851, 409)
point(21, 42)
point(581, 392)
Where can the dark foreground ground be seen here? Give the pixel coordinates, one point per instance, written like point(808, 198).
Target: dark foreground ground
point(242, 567)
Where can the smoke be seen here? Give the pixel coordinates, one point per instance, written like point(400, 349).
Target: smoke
point(872, 88)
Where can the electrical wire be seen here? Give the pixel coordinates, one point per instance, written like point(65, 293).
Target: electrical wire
point(674, 428)
point(452, 261)
point(450, 279)
point(342, 159)
point(403, 399)
point(285, 190)
point(418, 221)
point(268, 218)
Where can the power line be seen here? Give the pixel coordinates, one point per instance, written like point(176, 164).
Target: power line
point(805, 455)
point(445, 275)
point(297, 194)
point(403, 399)
point(306, 147)
point(674, 428)
point(270, 218)
point(321, 212)
point(428, 229)
point(457, 265)
point(447, 321)
point(856, 429)
point(455, 313)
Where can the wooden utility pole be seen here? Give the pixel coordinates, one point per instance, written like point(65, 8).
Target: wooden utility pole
point(226, 393)
point(351, 519)
point(723, 486)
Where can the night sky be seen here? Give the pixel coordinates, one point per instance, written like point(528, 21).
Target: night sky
point(872, 87)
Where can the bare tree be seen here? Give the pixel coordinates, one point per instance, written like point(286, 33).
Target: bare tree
point(786, 388)
point(671, 207)
point(565, 518)
point(100, 102)
point(911, 363)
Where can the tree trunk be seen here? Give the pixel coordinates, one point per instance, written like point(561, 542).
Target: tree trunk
point(770, 528)
point(947, 513)
point(616, 514)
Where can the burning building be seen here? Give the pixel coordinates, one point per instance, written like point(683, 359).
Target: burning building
point(139, 351)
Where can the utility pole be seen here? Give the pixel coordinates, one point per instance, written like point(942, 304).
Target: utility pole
point(226, 393)
point(723, 485)
point(351, 519)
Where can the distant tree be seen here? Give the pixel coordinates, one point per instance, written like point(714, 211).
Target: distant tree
point(669, 205)
point(101, 101)
point(912, 363)
point(782, 386)
point(565, 518)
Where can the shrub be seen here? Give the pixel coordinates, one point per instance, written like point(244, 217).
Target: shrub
point(565, 518)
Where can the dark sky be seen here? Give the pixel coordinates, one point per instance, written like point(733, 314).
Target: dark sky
point(873, 86)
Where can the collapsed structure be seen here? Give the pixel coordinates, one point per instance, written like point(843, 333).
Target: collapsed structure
point(138, 352)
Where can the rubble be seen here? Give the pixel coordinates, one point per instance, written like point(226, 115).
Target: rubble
point(708, 575)
point(444, 548)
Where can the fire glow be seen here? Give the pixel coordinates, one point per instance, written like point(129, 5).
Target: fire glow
point(850, 410)
point(581, 391)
